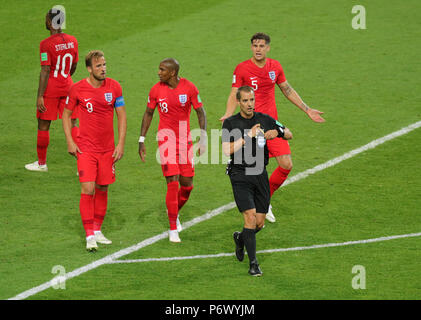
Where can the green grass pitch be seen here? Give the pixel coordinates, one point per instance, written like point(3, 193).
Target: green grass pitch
point(366, 81)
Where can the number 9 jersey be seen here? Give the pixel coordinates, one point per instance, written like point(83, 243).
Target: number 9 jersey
point(95, 107)
point(60, 52)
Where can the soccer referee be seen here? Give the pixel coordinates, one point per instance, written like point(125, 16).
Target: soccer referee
point(244, 138)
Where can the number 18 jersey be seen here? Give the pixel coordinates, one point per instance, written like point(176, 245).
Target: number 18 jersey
point(60, 52)
point(174, 105)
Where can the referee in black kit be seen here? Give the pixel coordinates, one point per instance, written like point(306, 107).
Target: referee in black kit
point(244, 138)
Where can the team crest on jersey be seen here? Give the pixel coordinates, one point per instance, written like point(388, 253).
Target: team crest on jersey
point(182, 98)
point(272, 75)
point(108, 96)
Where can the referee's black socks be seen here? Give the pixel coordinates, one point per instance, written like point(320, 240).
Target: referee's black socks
point(249, 238)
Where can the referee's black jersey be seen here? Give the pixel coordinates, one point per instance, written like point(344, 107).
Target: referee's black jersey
point(254, 153)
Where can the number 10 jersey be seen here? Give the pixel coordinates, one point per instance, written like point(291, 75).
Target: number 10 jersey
point(60, 52)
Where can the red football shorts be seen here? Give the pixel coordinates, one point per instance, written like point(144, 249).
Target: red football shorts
point(55, 107)
point(278, 147)
point(177, 160)
point(96, 166)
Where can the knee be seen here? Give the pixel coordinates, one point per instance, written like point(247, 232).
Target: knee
point(286, 163)
point(250, 219)
point(44, 125)
point(88, 189)
point(103, 188)
point(171, 179)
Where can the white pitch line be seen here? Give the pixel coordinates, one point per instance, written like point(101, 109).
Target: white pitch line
point(316, 246)
point(371, 145)
point(213, 213)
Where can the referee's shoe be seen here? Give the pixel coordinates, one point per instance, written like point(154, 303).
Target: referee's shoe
point(255, 269)
point(239, 246)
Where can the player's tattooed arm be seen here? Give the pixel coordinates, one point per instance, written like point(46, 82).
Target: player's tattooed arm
point(286, 88)
point(293, 96)
point(304, 107)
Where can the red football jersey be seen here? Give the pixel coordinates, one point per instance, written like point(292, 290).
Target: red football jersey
point(174, 105)
point(60, 52)
point(95, 107)
point(263, 81)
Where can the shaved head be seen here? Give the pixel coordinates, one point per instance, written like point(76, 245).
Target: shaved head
point(172, 64)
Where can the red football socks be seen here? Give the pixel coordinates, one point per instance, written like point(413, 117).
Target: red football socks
point(171, 201)
point(87, 210)
point(183, 196)
point(43, 140)
point(277, 178)
point(100, 208)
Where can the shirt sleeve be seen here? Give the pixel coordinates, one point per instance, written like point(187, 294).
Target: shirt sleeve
point(119, 100)
point(44, 54)
point(226, 131)
point(71, 100)
point(237, 79)
point(275, 125)
point(195, 97)
point(281, 75)
point(152, 100)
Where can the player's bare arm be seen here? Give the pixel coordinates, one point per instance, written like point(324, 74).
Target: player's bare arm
point(293, 96)
point(73, 68)
point(43, 81)
point(146, 122)
point(72, 147)
point(271, 134)
point(232, 104)
point(287, 134)
point(122, 129)
point(201, 116)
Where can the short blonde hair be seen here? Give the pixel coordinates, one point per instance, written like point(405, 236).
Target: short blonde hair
point(93, 54)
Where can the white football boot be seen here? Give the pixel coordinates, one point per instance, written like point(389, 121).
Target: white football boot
point(35, 166)
point(100, 238)
point(91, 245)
point(269, 216)
point(179, 226)
point(173, 236)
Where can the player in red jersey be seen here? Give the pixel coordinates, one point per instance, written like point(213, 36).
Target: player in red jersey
point(95, 99)
point(262, 73)
point(59, 57)
point(174, 97)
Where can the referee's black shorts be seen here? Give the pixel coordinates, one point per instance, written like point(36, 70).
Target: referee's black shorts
point(251, 191)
